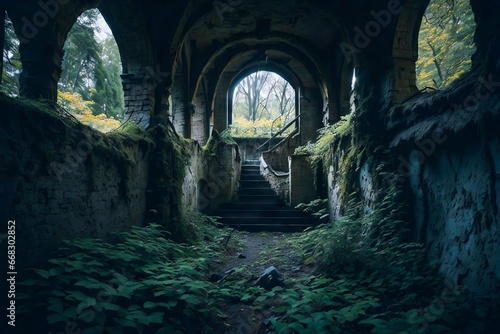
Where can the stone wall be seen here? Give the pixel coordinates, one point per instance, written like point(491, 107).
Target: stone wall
point(454, 184)
point(249, 147)
point(60, 180)
point(301, 180)
point(447, 164)
point(211, 179)
point(279, 181)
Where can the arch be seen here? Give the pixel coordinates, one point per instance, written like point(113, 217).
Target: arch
point(297, 50)
point(405, 49)
point(42, 32)
point(273, 121)
point(126, 19)
point(90, 86)
point(239, 65)
point(446, 42)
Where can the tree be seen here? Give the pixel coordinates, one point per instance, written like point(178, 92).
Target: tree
point(11, 65)
point(81, 56)
point(285, 96)
point(250, 87)
point(263, 103)
point(91, 67)
point(108, 92)
point(446, 43)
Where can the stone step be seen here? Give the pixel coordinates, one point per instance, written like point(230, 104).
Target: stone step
point(257, 191)
point(269, 225)
point(271, 198)
point(255, 213)
point(253, 184)
point(252, 206)
point(256, 177)
point(259, 208)
point(251, 163)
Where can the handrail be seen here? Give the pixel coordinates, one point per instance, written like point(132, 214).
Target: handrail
point(272, 124)
point(279, 132)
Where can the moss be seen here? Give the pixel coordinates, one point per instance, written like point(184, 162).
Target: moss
point(50, 130)
point(166, 175)
point(216, 142)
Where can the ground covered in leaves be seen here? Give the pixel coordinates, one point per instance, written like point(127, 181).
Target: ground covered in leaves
point(142, 282)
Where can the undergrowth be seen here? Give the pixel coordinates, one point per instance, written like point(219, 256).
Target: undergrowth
point(368, 279)
point(143, 282)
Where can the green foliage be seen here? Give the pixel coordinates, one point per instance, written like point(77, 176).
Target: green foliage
point(446, 43)
point(74, 103)
point(142, 282)
point(337, 141)
point(11, 61)
point(364, 284)
point(216, 142)
point(317, 208)
point(227, 138)
point(91, 67)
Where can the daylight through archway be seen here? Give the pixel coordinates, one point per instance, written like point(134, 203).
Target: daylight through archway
point(446, 43)
point(263, 105)
point(90, 87)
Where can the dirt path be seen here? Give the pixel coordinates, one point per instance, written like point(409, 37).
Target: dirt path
point(258, 251)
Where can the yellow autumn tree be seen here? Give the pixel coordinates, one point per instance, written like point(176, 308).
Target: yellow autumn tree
point(446, 43)
point(80, 108)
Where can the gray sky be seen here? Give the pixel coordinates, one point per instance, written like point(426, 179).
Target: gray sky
point(104, 28)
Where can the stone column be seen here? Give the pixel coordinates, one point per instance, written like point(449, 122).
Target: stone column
point(221, 118)
point(487, 37)
point(311, 109)
point(41, 58)
point(139, 90)
point(301, 180)
point(180, 107)
point(200, 128)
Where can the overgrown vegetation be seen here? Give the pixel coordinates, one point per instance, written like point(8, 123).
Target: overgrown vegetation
point(317, 208)
point(337, 142)
point(142, 282)
point(145, 282)
point(368, 279)
point(215, 143)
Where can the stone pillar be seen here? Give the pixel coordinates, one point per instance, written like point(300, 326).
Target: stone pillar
point(487, 37)
point(301, 180)
point(139, 89)
point(221, 119)
point(404, 79)
point(181, 109)
point(41, 58)
point(311, 106)
point(200, 127)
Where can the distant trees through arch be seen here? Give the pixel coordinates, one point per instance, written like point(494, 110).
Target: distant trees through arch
point(446, 43)
point(263, 103)
point(90, 86)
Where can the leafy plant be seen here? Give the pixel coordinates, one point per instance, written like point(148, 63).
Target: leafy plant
point(141, 281)
point(317, 208)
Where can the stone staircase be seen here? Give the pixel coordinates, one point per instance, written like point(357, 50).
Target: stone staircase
point(258, 208)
